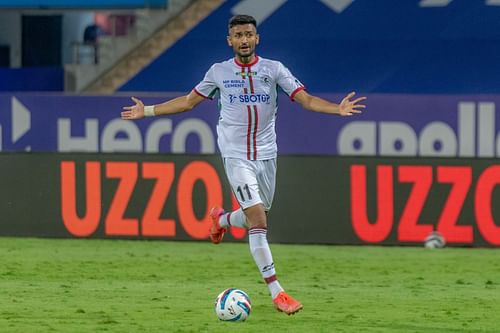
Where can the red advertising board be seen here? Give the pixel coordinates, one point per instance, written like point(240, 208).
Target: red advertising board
point(323, 200)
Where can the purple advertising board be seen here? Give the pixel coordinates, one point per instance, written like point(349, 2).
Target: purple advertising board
point(392, 125)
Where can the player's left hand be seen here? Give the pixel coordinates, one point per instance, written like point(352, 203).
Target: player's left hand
point(348, 107)
point(134, 111)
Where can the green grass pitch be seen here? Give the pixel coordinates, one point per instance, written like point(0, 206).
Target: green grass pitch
point(54, 285)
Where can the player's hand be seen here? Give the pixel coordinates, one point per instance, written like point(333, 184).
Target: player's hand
point(348, 107)
point(134, 111)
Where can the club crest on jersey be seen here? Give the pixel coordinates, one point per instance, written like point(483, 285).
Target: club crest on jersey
point(266, 80)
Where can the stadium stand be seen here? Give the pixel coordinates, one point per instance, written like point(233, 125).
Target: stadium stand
point(370, 46)
point(150, 48)
point(39, 34)
point(385, 46)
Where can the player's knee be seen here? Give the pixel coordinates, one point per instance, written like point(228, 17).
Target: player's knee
point(256, 216)
point(257, 224)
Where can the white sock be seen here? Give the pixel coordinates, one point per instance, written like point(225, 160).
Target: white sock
point(235, 218)
point(263, 258)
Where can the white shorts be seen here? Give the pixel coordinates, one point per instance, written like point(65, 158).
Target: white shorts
point(252, 182)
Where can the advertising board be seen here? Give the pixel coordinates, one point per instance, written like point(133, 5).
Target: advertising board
point(320, 200)
point(392, 126)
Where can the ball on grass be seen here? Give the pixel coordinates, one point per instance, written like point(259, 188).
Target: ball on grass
point(435, 240)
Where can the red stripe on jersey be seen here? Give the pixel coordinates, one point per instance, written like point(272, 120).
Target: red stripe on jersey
point(256, 117)
point(200, 94)
point(292, 95)
point(249, 130)
point(255, 132)
point(249, 72)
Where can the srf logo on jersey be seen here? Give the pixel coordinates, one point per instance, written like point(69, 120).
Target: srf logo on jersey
point(250, 98)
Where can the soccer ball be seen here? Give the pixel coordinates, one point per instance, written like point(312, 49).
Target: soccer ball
point(233, 305)
point(435, 240)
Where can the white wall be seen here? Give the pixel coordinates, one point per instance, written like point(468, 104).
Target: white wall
point(74, 24)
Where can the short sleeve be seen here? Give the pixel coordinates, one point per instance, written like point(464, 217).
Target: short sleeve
point(289, 83)
point(207, 88)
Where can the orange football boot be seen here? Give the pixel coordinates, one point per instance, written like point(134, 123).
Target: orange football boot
point(216, 231)
point(286, 303)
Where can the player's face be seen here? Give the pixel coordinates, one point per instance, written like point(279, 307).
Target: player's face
point(243, 39)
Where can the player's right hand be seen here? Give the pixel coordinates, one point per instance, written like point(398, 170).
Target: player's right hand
point(134, 111)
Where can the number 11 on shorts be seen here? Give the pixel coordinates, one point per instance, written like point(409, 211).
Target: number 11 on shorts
point(240, 192)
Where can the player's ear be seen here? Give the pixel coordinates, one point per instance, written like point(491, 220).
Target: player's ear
point(229, 41)
point(257, 39)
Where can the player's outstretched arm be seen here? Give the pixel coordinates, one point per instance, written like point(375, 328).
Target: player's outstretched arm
point(347, 107)
point(176, 105)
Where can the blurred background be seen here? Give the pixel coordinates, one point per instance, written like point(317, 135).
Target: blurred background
point(423, 157)
point(420, 46)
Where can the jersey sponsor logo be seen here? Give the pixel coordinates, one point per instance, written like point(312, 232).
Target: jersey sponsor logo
point(250, 98)
point(233, 83)
point(245, 74)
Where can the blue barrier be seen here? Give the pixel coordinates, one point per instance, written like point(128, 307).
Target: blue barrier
point(32, 79)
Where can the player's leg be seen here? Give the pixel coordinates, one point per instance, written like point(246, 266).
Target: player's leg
point(257, 225)
point(259, 247)
point(267, 184)
point(246, 178)
point(221, 220)
point(243, 180)
point(236, 218)
point(253, 183)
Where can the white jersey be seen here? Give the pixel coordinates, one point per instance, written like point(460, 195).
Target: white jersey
point(248, 98)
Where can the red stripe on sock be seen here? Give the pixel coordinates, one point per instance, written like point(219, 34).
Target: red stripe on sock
point(270, 279)
point(258, 228)
point(253, 231)
point(257, 233)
